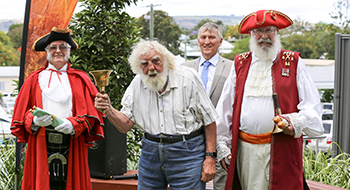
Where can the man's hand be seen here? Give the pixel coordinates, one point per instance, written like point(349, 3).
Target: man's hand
point(102, 102)
point(290, 129)
point(42, 121)
point(208, 169)
point(224, 164)
point(66, 127)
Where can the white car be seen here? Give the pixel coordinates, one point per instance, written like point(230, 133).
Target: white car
point(323, 142)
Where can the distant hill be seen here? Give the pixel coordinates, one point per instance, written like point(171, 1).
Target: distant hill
point(183, 21)
point(5, 24)
point(191, 21)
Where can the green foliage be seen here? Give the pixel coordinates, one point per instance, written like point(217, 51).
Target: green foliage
point(105, 35)
point(8, 55)
point(233, 32)
point(306, 43)
point(15, 34)
point(166, 31)
point(7, 166)
point(240, 47)
point(327, 169)
point(327, 95)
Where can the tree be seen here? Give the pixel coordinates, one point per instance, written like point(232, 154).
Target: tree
point(15, 34)
point(304, 43)
point(105, 35)
point(241, 46)
point(233, 32)
point(8, 55)
point(341, 13)
point(166, 31)
point(312, 41)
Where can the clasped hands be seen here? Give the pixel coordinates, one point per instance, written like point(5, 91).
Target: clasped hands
point(66, 127)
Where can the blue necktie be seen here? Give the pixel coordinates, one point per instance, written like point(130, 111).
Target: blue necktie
point(204, 75)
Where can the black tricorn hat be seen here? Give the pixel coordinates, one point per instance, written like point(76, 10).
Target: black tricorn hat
point(55, 35)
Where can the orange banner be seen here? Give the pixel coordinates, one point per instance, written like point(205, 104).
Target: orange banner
point(45, 14)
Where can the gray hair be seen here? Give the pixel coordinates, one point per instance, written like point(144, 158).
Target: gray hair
point(142, 48)
point(210, 26)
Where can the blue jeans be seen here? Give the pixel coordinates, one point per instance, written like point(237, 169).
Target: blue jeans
point(177, 164)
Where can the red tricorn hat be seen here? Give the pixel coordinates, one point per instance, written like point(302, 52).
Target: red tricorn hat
point(264, 18)
point(56, 34)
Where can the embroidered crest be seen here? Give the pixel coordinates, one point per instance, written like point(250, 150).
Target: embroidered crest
point(288, 57)
point(242, 56)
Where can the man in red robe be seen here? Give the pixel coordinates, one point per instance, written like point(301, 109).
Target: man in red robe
point(57, 155)
point(255, 154)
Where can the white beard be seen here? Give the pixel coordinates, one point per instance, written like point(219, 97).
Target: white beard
point(157, 83)
point(265, 54)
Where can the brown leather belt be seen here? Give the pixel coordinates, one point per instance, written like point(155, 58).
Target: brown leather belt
point(167, 139)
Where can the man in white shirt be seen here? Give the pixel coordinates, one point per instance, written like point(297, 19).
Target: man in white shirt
point(260, 158)
point(168, 102)
point(209, 40)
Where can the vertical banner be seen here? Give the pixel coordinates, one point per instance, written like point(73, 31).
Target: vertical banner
point(39, 18)
point(45, 14)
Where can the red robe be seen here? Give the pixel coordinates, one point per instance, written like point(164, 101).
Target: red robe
point(286, 166)
point(87, 123)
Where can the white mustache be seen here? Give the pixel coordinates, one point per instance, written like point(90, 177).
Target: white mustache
point(265, 41)
point(153, 72)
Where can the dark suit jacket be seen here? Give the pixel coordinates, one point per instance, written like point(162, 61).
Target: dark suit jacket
point(221, 73)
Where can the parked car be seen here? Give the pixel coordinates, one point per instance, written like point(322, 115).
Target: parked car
point(324, 141)
point(327, 106)
point(9, 97)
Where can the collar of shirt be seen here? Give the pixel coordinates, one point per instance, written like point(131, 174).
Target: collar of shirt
point(214, 61)
point(50, 66)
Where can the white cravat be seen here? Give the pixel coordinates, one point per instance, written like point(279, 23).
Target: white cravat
point(56, 91)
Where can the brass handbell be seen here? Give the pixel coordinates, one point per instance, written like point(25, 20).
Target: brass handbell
point(101, 78)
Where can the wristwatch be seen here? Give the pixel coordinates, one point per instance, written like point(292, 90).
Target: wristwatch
point(212, 154)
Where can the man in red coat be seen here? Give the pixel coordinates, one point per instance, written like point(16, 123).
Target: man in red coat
point(250, 148)
point(57, 155)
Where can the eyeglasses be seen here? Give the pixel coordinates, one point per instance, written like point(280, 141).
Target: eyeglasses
point(260, 32)
point(62, 48)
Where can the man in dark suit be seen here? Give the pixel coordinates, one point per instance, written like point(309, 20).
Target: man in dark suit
point(214, 70)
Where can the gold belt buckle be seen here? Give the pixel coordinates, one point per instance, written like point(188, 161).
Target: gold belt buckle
point(55, 138)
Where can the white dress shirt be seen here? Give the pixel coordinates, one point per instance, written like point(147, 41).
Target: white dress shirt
point(257, 107)
point(181, 109)
point(214, 62)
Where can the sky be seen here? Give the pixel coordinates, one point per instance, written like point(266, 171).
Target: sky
point(312, 11)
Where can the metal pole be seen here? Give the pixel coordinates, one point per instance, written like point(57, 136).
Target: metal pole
point(151, 32)
point(20, 146)
point(151, 23)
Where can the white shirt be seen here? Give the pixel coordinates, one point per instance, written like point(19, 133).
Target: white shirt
point(258, 111)
point(56, 92)
point(211, 72)
point(181, 109)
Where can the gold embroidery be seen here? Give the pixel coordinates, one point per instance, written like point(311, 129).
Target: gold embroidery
point(288, 57)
